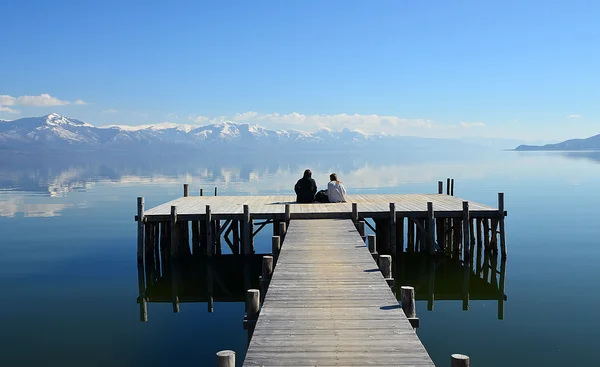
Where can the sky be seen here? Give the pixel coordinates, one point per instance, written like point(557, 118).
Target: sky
point(508, 69)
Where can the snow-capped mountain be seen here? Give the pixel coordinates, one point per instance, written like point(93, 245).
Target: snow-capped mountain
point(58, 132)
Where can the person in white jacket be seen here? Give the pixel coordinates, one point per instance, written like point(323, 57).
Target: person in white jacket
point(336, 192)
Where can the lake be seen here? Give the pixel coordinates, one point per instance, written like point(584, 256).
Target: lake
point(69, 277)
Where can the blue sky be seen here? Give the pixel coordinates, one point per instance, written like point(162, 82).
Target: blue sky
point(522, 69)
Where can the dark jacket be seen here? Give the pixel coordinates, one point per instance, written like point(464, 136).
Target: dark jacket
point(305, 188)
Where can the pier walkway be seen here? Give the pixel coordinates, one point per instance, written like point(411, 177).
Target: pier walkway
point(328, 304)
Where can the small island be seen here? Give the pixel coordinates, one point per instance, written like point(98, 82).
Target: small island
point(591, 143)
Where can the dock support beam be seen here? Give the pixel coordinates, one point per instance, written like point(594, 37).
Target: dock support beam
point(210, 244)
point(140, 210)
point(466, 231)
point(174, 233)
point(275, 246)
point(355, 213)
point(288, 215)
point(430, 228)
point(361, 230)
point(392, 228)
point(247, 231)
point(385, 265)
point(372, 246)
point(501, 223)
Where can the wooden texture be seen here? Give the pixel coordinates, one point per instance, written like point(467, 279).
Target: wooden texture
point(140, 236)
point(501, 223)
point(328, 305)
point(459, 360)
point(252, 303)
point(226, 358)
point(407, 297)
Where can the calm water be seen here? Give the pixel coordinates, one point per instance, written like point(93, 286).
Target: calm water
point(69, 278)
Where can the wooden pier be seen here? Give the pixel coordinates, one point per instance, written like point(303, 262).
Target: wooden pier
point(326, 280)
point(328, 304)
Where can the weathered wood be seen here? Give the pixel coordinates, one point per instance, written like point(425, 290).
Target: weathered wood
point(452, 187)
point(466, 270)
point(210, 244)
point(486, 233)
point(399, 235)
point(382, 227)
point(459, 360)
point(185, 190)
point(392, 218)
point(275, 246)
point(287, 214)
point(235, 225)
point(226, 358)
point(457, 237)
point(140, 236)
point(174, 232)
point(355, 213)
point(407, 296)
point(361, 229)
point(196, 237)
point(441, 236)
point(149, 251)
point(494, 234)
point(501, 223)
point(217, 236)
point(201, 192)
point(447, 186)
point(372, 244)
point(282, 230)
point(267, 267)
point(246, 231)
point(440, 187)
point(385, 266)
point(465, 229)
point(252, 304)
point(430, 229)
point(215, 190)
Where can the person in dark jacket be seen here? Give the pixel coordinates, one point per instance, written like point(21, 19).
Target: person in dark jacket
point(306, 188)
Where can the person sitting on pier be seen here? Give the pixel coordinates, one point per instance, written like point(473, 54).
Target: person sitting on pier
point(335, 190)
point(306, 188)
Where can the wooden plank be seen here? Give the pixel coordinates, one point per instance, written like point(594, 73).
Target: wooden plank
point(327, 303)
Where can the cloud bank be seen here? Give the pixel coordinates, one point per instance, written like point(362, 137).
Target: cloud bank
point(43, 100)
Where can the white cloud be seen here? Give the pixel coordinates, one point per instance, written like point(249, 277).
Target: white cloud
point(471, 124)
point(8, 110)
point(574, 116)
point(110, 110)
point(43, 100)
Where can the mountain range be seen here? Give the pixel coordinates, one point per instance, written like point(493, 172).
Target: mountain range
point(60, 133)
point(591, 143)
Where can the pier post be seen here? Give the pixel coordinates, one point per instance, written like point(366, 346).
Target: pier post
point(215, 191)
point(407, 298)
point(460, 360)
point(466, 231)
point(393, 228)
point(235, 229)
point(201, 192)
point(399, 235)
point(501, 222)
point(447, 186)
point(430, 284)
point(217, 231)
point(247, 231)
point(267, 272)
point(174, 232)
point(457, 225)
point(385, 265)
point(140, 216)
point(355, 213)
point(282, 231)
point(195, 237)
point(275, 246)
point(361, 230)
point(252, 304)
point(452, 187)
point(210, 243)
point(185, 190)
point(486, 233)
point(287, 214)
point(430, 228)
point(372, 245)
point(382, 229)
point(142, 293)
point(440, 187)
point(501, 288)
point(226, 358)
point(410, 236)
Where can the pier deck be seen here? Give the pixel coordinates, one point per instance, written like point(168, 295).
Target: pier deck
point(273, 207)
point(328, 305)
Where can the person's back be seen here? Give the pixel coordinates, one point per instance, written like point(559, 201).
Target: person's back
point(335, 190)
point(305, 188)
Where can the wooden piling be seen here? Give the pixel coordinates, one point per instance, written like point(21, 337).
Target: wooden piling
point(217, 235)
point(392, 218)
point(430, 228)
point(382, 229)
point(247, 231)
point(466, 231)
point(275, 246)
point(201, 192)
point(501, 223)
point(372, 244)
point(457, 236)
point(282, 230)
point(478, 224)
point(466, 269)
point(252, 304)
point(486, 233)
point(226, 358)
point(407, 298)
point(385, 266)
point(399, 235)
point(142, 293)
point(215, 191)
point(355, 213)
point(288, 215)
point(410, 237)
point(441, 236)
point(210, 244)
point(361, 230)
point(195, 237)
point(235, 232)
point(267, 267)
point(501, 288)
point(185, 190)
point(440, 187)
point(459, 360)
point(452, 187)
point(431, 284)
point(447, 186)
point(140, 216)
point(174, 232)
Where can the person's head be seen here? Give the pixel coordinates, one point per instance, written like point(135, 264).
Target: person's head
point(307, 173)
point(333, 177)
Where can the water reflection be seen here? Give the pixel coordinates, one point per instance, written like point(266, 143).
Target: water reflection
point(449, 279)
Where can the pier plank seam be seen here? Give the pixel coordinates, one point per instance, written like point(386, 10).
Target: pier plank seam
point(328, 305)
